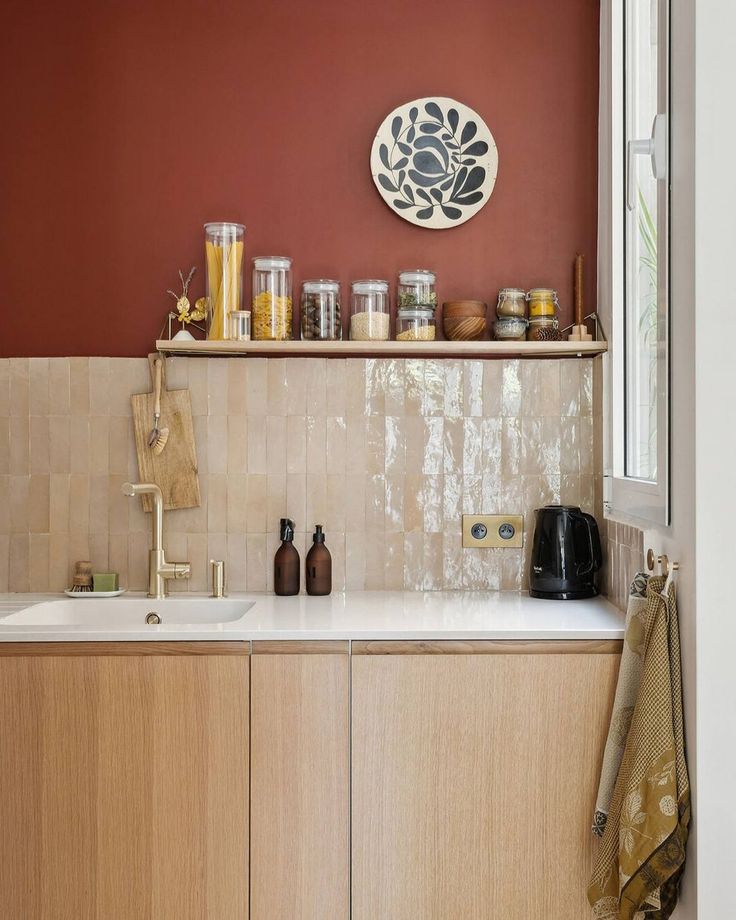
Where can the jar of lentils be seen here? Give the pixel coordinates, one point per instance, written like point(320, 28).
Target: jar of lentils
point(321, 314)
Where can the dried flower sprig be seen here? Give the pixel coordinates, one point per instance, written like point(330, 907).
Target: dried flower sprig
point(184, 312)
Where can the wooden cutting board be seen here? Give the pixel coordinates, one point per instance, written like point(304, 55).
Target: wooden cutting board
point(174, 470)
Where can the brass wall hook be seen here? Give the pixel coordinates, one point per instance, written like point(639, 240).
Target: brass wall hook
point(663, 563)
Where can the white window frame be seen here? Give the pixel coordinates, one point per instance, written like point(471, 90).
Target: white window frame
point(627, 498)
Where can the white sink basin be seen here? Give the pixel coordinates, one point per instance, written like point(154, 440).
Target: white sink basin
point(114, 613)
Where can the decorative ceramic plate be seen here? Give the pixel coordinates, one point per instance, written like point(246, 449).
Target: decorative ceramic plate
point(434, 162)
point(88, 595)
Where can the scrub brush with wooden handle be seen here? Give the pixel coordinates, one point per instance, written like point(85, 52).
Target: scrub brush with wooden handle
point(82, 580)
point(158, 436)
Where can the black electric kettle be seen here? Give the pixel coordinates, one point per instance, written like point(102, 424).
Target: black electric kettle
point(566, 555)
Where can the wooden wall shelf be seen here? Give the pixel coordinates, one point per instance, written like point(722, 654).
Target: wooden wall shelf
point(347, 349)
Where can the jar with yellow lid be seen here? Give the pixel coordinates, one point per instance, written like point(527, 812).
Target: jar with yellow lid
point(542, 302)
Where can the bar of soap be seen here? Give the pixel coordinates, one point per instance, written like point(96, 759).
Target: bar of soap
point(106, 581)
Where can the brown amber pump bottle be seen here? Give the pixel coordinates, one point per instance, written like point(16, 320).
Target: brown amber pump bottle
point(319, 565)
point(286, 562)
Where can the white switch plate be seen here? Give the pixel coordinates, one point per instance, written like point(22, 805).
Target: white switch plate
point(498, 530)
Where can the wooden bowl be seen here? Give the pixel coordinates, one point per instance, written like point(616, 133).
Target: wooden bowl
point(464, 320)
point(455, 308)
point(464, 328)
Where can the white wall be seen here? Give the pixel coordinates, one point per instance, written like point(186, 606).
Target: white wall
point(678, 540)
point(704, 433)
point(715, 453)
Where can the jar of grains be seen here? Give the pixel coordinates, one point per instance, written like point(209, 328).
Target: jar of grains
point(416, 288)
point(271, 303)
point(415, 325)
point(511, 302)
point(321, 314)
point(369, 311)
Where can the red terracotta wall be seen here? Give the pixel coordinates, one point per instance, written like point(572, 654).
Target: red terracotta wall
point(127, 125)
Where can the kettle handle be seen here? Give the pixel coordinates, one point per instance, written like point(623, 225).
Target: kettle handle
point(596, 556)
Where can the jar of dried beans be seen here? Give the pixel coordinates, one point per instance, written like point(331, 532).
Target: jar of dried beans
point(321, 314)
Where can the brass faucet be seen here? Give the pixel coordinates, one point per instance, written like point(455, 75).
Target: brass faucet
point(159, 570)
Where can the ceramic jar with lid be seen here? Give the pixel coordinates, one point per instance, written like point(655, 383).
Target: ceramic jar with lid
point(511, 302)
point(417, 288)
point(271, 306)
point(369, 311)
point(320, 306)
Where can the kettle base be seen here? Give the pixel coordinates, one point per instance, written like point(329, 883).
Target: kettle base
point(579, 595)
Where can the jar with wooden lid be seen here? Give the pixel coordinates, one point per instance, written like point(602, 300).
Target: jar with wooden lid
point(542, 302)
point(321, 312)
point(369, 311)
point(271, 309)
point(511, 302)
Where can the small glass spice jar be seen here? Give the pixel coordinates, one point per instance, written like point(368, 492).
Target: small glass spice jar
point(415, 325)
point(223, 250)
point(239, 330)
point(416, 288)
point(511, 302)
point(271, 304)
point(542, 302)
point(321, 315)
point(510, 328)
point(543, 329)
point(369, 311)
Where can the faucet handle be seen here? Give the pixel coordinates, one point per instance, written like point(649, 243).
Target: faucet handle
point(218, 577)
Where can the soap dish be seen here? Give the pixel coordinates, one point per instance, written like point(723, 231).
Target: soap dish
point(89, 595)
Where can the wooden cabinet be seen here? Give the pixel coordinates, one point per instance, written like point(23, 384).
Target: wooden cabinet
point(300, 781)
point(407, 781)
point(124, 772)
point(474, 772)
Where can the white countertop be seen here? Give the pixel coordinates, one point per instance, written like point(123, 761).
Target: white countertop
point(354, 615)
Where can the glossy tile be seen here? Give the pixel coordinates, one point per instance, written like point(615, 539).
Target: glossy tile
point(386, 454)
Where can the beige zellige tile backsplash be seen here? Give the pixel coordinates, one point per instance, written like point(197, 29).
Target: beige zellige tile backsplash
point(386, 454)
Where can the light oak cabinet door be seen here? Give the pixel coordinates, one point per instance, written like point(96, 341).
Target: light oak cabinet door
point(474, 773)
point(300, 781)
point(124, 781)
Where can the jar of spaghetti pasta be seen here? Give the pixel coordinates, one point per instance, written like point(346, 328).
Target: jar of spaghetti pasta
point(271, 307)
point(223, 248)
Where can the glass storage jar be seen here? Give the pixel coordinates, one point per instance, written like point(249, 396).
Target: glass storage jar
point(510, 328)
point(542, 302)
point(321, 315)
point(369, 311)
point(415, 325)
point(543, 329)
point(271, 306)
point(223, 250)
point(416, 288)
point(511, 302)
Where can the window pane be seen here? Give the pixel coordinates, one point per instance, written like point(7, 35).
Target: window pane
point(642, 250)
